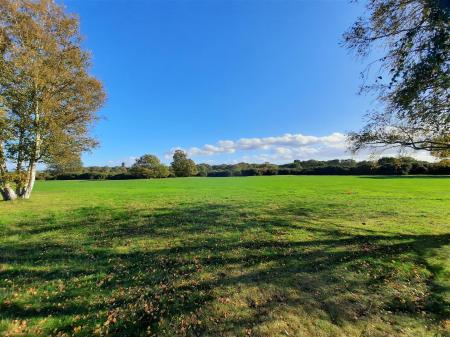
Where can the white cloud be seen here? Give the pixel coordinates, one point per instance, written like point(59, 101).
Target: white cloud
point(285, 148)
point(282, 143)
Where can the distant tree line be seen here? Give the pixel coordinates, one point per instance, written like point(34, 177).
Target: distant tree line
point(149, 166)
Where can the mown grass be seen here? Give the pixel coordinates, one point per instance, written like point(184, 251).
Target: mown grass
point(256, 256)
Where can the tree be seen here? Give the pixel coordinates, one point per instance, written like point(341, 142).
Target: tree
point(203, 170)
point(48, 99)
point(182, 166)
point(442, 152)
point(413, 80)
point(397, 166)
point(67, 164)
point(149, 166)
point(268, 169)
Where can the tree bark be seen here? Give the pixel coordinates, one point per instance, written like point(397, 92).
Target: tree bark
point(8, 193)
point(31, 175)
point(20, 184)
point(26, 193)
point(6, 190)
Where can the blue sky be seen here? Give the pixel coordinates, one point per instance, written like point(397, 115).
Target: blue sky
point(226, 80)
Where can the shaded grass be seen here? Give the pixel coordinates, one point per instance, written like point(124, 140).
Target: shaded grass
point(264, 256)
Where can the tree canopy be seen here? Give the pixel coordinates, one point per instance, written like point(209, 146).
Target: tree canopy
point(149, 166)
point(384, 165)
point(48, 99)
point(412, 81)
point(182, 166)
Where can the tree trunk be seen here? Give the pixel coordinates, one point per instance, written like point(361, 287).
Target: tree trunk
point(20, 184)
point(26, 193)
point(31, 176)
point(8, 193)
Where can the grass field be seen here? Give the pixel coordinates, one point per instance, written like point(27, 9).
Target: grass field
point(256, 256)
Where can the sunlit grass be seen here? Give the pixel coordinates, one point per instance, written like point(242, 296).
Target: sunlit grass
point(256, 256)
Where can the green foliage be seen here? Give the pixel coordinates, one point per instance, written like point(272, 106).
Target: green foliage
point(413, 79)
point(182, 166)
point(48, 97)
point(66, 164)
point(203, 169)
point(387, 165)
point(149, 166)
point(257, 256)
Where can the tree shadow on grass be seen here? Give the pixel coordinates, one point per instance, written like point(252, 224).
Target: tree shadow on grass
point(211, 270)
